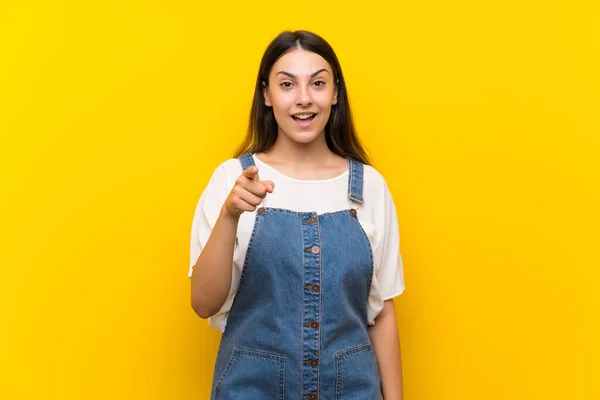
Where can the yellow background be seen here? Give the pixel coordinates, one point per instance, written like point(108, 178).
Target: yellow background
point(482, 116)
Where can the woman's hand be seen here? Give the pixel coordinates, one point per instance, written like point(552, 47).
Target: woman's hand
point(247, 193)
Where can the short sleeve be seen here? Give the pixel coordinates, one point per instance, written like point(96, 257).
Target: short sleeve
point(206, 214)
point(387, 257)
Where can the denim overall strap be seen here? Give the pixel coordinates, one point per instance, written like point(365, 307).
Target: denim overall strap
point(355, 180)
point(246, 160)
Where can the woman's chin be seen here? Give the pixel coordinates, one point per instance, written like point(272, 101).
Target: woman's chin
point(304, 136)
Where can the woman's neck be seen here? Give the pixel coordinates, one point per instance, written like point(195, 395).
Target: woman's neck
point(311, 160)
point(286, 150)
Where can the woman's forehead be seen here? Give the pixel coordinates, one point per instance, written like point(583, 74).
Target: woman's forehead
point(300, 62)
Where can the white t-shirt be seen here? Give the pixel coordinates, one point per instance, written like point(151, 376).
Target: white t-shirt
point(377, 216)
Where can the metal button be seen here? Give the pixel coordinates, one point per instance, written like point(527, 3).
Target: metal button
point(353, 212)
point(261, 211)
point(313, 396)
point(312, 220)
point(313, 363)
point(314, 324)
point(315, 288)
point(315, 249)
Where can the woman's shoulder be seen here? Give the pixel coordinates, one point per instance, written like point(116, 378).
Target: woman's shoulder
point(378, 197)
point(231, 165)
point(374, 181)
point(231, 168)
point(224, 174)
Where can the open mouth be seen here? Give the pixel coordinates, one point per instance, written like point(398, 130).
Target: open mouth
point(304, 117)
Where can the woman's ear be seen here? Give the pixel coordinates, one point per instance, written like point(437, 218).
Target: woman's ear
point(266, 95)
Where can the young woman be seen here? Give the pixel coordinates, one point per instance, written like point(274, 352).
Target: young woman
point(298, 268)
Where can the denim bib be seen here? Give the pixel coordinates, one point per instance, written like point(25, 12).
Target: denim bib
point(297, 328)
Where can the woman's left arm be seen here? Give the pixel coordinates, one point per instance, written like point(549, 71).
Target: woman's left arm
point(384, 335)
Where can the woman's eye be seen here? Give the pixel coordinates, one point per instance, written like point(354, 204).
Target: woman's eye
point(287, 85)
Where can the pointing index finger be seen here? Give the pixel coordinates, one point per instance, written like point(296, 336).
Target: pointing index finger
point(251, 172)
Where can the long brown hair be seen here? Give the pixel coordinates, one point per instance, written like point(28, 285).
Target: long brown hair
point(340, 134)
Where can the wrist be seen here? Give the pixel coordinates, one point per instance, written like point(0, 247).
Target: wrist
point(229, 215)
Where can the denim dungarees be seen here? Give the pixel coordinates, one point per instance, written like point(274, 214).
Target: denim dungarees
point(297, 328)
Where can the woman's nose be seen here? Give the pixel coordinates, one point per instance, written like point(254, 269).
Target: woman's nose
point(303, 96)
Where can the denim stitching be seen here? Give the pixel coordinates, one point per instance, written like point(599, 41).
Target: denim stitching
point(301, 213)
point(320, 310)
point(339, 356)
point(353, 350)
point(277, 358)
point(259, 354)
point(350, 175)
point(282, 379)
point(356, 170)
point(248, 251)
point(366, 237)
point(338, 379)
point(353, 166)
point(246, 160)
point(225, 372)
point(303, 294)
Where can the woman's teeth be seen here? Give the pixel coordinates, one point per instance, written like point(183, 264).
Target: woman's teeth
point(303, 116)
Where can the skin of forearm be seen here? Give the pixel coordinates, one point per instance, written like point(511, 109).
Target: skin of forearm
point(211, 276)
point(384, 336)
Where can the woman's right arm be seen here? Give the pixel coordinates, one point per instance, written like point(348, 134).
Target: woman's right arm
point(211, 277)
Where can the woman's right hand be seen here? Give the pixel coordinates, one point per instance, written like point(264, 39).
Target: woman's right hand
point(247, 193)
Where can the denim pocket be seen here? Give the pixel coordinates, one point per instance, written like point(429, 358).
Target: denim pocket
point(252, 375)
point(357, 376)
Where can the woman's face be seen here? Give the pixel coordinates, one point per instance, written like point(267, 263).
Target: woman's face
point(301, 84)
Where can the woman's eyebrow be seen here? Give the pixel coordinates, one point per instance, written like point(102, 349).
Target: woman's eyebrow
point(311, 75)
